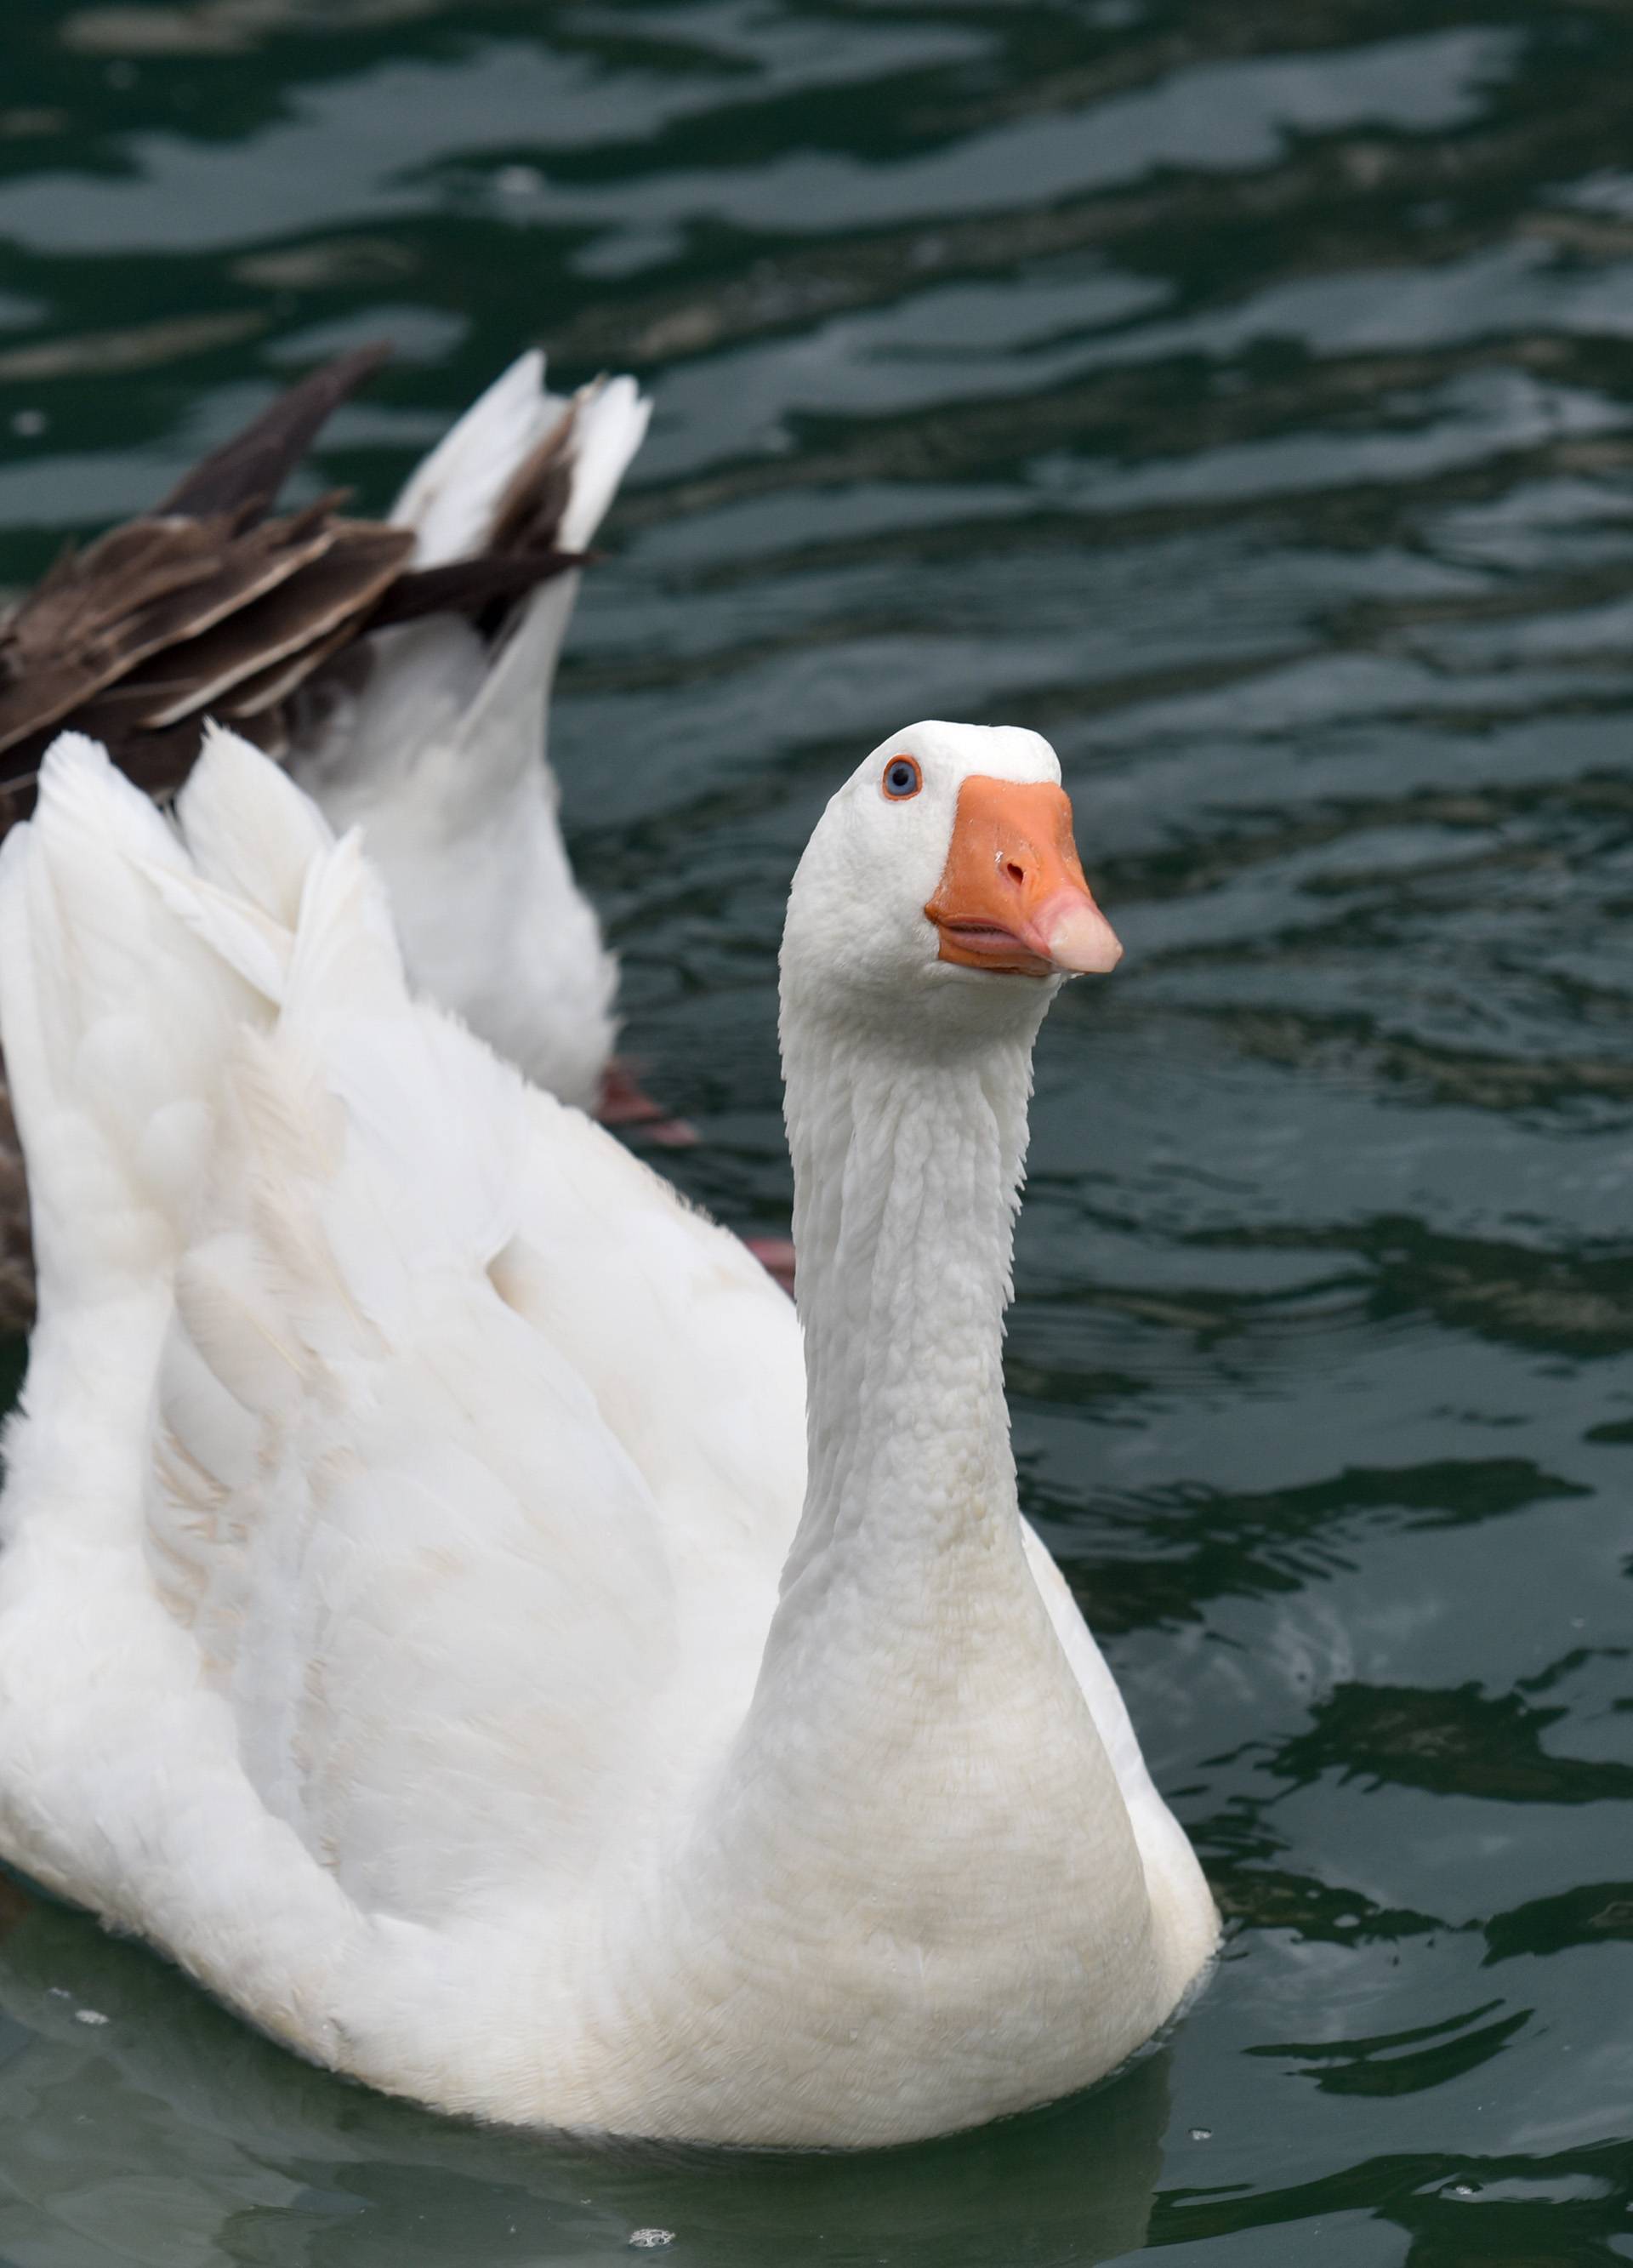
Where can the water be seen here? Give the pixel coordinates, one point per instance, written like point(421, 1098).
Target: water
point(1242, 393)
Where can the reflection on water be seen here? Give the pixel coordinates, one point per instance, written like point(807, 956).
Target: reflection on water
point(1243, 394)
point(138, 2119)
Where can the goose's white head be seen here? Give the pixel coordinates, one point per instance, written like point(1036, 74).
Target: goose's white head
point(942, 886)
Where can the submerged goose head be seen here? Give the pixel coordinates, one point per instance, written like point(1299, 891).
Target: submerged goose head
point(942, 887)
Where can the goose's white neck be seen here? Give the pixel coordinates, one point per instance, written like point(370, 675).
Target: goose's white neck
point(907, 1169)
point(908, 1616)
point(913, 1897)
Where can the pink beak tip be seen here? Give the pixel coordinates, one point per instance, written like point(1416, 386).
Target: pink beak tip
point(1082, 942)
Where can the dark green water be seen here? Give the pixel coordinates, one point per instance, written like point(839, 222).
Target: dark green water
point(1241, 392)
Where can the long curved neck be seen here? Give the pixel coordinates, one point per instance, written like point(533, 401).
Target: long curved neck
point(906, 1597)
point(912, 1873)
point(906, 1174)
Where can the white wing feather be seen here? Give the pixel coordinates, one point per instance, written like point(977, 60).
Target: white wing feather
point(409, 1484)
point(441, 757)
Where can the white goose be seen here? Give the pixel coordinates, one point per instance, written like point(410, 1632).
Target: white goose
point(430, 734)
point(391, 1625)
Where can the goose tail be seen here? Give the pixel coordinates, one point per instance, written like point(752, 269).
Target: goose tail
point(563, 489)
point(441, 756)
point(501, 515)
point(524, 468)
point(504, 512)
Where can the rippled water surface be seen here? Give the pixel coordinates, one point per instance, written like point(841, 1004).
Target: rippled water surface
point(1241, 393)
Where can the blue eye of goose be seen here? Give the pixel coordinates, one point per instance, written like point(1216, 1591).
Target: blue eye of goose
point(902, 778)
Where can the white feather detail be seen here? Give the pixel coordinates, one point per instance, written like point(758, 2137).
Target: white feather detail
point(441, 758)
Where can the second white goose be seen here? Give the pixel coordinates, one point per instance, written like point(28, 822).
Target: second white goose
point(402, 669)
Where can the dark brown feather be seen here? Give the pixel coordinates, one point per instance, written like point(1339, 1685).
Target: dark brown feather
point(268, 688)
point(470, 586)
point(207, 606)
point(530, 511)
point(245, 474)
point(338, 585)
point(17, 1251)
point(63, 660)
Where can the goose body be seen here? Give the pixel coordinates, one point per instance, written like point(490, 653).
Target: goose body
point(402, 671)
point(420, 1611)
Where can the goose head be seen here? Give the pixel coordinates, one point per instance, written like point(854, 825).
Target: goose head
point(942, 889)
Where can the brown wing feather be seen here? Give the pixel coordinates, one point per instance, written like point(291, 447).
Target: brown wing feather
point(82, 627)
point(201, 576)
point(264, 693)
point(471, 586)
point(530, 511)
point(245, 472)
point(338, 587)
point(205, 602)
point(17, 1251)
point(207, 606)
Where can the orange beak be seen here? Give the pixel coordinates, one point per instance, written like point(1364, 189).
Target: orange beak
point(1012, 895)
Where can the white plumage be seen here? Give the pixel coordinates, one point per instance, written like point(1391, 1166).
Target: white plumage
point(441, 757)
point(389, 1608)
point(429, 736)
